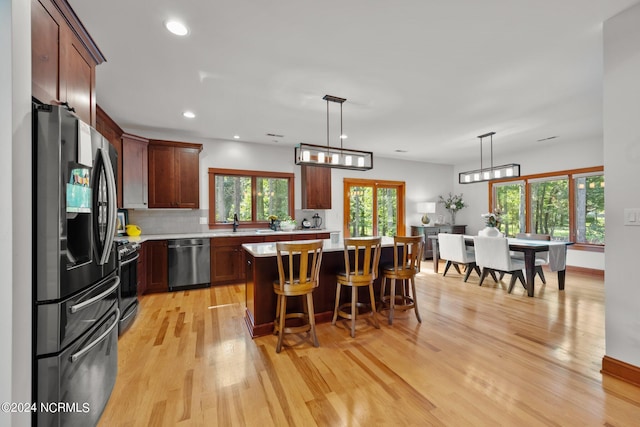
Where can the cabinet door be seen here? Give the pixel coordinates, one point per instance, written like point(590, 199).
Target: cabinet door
point(110, 130)
point(225, 263)
point(45, 54)
point(316, 187)
point(187, 167)
point(157, 266)
point(161, 177)
point(79, 79)
point(135, 173)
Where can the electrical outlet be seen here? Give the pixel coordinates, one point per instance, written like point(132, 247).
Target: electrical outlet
point(203, 220)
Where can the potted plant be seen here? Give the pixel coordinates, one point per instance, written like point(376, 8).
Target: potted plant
point(453, 203)
point(287, 224)
point(492, 224)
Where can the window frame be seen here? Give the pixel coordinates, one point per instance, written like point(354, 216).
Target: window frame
point(400, 187)
point(254, 175)
point(571, 175)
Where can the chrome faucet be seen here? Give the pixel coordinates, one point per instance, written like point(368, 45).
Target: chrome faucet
point(235, 222)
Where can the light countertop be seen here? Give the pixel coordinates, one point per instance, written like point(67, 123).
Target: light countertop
point(268, 249)
point(220, 233)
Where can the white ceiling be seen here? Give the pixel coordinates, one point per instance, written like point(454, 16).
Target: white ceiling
point(423, 76)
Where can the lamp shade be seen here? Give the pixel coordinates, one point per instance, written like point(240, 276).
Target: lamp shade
point(427, 207)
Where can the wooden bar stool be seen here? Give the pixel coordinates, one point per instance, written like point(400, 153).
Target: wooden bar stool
point(298, 272)
point(407, 253)
point(362, 271)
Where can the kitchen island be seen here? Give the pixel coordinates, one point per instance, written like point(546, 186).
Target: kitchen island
point(262, 269)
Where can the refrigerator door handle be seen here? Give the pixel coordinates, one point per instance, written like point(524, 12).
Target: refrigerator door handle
point(77, 307)
point(113, 205)
point(75, 356)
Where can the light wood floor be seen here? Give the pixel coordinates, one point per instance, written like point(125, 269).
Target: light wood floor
point(481, 357)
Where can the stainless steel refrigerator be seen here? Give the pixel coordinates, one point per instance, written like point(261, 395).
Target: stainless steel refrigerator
point(75, 307)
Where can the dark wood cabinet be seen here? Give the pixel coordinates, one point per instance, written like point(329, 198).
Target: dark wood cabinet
point(142, 270)
point(417, 230)
point(157, 266)
point(316, 187)
point(174, 174)
point(135, 173)
point(228, 258)
point(110, 130)
point(63, 58)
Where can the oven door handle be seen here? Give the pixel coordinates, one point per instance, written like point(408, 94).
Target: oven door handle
point(77, 307)
point(75, 356)
point(123, 263)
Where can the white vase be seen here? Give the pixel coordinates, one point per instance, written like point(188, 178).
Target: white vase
point(490, 232)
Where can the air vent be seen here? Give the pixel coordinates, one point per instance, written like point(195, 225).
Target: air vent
point(401, 151)
point(275, 135)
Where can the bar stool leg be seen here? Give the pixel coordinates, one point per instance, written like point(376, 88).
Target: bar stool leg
point(283, 313)
point(374, 313)
point(392, 300)
point(335, 310)
point(276, 322)
point(415, 300)
point(312, 320)
point(354, 309)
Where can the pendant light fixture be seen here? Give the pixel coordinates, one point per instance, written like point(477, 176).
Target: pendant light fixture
point(510, 170)
point(333, 157)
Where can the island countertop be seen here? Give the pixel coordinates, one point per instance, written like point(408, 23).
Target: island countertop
point(268, 249)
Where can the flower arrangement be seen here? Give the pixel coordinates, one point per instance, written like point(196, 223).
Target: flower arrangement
point(492, 219)
point(453, 204)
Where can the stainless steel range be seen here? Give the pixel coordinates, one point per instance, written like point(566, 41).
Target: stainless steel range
point(128, 254)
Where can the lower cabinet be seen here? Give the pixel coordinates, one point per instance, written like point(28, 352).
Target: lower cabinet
point(157, 266)
point(142, 270)
point(417, 230)
point(228, 258)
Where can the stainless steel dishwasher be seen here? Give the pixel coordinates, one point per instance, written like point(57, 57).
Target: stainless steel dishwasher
point(189, 264)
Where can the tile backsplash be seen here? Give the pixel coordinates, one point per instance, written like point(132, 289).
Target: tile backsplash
point(169, 221)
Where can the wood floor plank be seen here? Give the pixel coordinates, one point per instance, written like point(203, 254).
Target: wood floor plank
point(480, 357)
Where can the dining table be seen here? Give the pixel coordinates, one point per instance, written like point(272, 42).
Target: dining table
point(557, 257)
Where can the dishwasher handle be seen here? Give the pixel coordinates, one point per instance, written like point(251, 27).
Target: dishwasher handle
point(187, 246)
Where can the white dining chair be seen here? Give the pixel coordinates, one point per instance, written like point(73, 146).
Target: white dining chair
point(492, 254)
point(542, 258)
point(452, 248)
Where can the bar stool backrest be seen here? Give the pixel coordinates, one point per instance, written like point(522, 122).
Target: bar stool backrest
point(366, 257)
point(306, 271)
point(407, 254)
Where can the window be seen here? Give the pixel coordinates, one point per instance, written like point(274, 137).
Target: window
point(252, 195)
point(373, 208)
point(568, 205)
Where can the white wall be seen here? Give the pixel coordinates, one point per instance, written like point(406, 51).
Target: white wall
point(15, 217)
point(424, 181)
point(549, 156)
point(622, 157)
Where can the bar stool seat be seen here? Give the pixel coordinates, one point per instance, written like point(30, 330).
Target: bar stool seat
point(298, 273)
point(360, 272)
point(407, 253)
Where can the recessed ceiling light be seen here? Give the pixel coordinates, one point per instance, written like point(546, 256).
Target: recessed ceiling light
point(236, 136)
point(189, 114)
point(176, 27)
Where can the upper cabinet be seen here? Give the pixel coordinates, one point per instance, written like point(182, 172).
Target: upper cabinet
point(110, 130)
point(174, 174)
point(135, 161)
point(316, 187)
point(63, 58)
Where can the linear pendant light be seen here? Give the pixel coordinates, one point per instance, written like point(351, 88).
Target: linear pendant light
point(511, 170)
point(333, 157)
